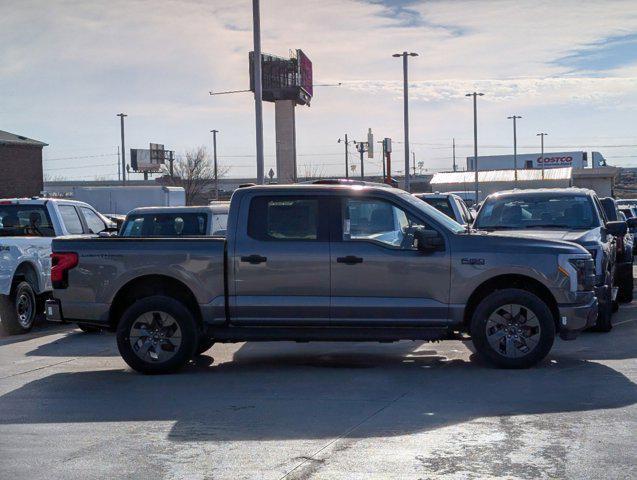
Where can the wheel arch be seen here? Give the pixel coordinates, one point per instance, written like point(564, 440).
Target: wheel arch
point(151, 285)
point(502, 282)
point(27, 271)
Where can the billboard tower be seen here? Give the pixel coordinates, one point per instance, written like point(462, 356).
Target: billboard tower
point(287, 83)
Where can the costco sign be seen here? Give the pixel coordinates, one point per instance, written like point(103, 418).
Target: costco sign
point(560, 160)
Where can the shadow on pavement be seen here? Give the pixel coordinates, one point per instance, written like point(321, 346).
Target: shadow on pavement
point(41, 328)
point(288, 391)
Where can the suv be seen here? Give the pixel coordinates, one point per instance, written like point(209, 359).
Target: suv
point(450, 204)
point(624, 271)
point(27, 227)
point(571, 214)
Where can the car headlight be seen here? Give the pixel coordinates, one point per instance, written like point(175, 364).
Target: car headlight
point(579, 268)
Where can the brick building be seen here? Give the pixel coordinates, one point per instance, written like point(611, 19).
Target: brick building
point(20, 166)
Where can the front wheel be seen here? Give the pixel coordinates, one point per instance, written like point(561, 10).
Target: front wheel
point(626, 285)
point(512, 328)
point(18, 310)
point(157, 335)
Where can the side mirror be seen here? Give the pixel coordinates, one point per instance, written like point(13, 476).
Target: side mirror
point(631, 223)
point(618, 229)
point(428, 240)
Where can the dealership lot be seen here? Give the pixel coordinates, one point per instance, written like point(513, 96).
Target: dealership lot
point(70, 408)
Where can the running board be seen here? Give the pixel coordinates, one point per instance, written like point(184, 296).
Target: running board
point(327, 334)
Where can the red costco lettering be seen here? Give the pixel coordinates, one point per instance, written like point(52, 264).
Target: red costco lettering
point(555, 160)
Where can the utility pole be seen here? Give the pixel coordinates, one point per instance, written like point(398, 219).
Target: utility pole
point(475, 95)
point(515, 147)
point(542, 135)
point(214, 154)
point(382, 142)
point(453, 150)
point(258, 90)
point(360, 146)
point(121, 123)
point(119, 166)
point(405, 56)
point(413, 162)
point(346, 155)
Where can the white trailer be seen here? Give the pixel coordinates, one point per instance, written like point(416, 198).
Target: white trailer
point(122, 199)
point(526, 161)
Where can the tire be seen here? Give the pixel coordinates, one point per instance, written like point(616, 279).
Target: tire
point(88, 328)
point(159, 326)
point(18, 310)
point(626, 286)
point(604, 321)
point(493, 334)
point(204, 345)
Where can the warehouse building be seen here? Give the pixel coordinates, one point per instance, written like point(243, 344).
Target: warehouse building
point(20, 166)
point(601, 180)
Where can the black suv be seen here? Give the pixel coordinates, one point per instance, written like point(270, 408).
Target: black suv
point(624, 271)
point(569, 214)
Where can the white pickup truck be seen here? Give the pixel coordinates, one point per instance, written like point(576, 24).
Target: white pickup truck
point(27, 228)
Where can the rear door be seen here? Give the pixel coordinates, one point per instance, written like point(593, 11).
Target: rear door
point(377, 276)
point(281, 261)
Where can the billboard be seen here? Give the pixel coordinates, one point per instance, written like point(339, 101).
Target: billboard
point(284, 78)
point(148, 160)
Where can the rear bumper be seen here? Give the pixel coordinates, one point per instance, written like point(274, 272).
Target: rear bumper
point(578, 316)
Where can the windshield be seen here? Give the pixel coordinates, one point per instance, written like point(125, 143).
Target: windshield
point(25, 221)
point(432, 213)
point(165, 225)
point(537, 211)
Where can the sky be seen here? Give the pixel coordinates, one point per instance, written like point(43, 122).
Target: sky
point(569, 68)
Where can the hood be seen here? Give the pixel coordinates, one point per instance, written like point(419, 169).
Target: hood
point(516, 241)
point(581, 237)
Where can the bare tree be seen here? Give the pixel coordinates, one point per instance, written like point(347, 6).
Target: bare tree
point(195, 173)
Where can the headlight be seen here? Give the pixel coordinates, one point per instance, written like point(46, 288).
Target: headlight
point(579, 269)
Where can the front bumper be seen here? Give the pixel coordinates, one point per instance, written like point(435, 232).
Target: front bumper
point(575, 317)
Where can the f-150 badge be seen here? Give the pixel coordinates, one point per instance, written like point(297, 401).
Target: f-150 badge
point(472, 261)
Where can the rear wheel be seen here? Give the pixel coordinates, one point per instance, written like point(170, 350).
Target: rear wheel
point(512, 328)
point(604, 321)
point(157, 335)
point(18, 310)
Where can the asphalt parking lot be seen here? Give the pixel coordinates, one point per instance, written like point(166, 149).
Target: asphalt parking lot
point(70, 408)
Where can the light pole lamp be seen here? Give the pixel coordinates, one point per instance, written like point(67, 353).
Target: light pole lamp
point(475, 95)
point(515, 147)
point(121, 126)
point(542, 135)
point(405, 56)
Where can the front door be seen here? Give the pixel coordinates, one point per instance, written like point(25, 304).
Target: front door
point(282, 262)
point(378, 277)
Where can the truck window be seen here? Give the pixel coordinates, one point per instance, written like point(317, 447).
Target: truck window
point(379, 221)
point(219, 223)
point(165, 225)
point(71, 219)
point(284, 218)
point(93, 221)
point(25, 221)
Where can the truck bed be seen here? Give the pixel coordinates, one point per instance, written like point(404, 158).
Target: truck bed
point(107, 265)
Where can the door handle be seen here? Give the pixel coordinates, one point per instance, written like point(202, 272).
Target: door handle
point(349, 260)
point(253, 259)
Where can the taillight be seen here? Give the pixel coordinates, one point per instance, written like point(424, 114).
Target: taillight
point(61, 263)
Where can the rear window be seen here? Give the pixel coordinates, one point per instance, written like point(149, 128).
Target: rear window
point(282, 218)
point(25, 221)
point(441, 204)
point(165, 225)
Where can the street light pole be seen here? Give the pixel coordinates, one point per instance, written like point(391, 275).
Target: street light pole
point(346, 155)
point(121, 125)
point(515, 147)
point(475, 96)
point(542, 135)
point(258, 92)
point(405, 56)
point(214, 153)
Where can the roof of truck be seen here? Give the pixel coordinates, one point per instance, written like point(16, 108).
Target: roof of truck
point(39, 201)
point(217, 208)
point(548, 191)
point(322, 187)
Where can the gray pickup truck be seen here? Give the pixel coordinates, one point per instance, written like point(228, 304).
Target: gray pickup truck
point(331, 263)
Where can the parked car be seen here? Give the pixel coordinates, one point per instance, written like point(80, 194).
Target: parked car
point(176, 221)
point(570, 214)
point(27, 227)
point(624, 256)
point(450, 204)
point(326, 262)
